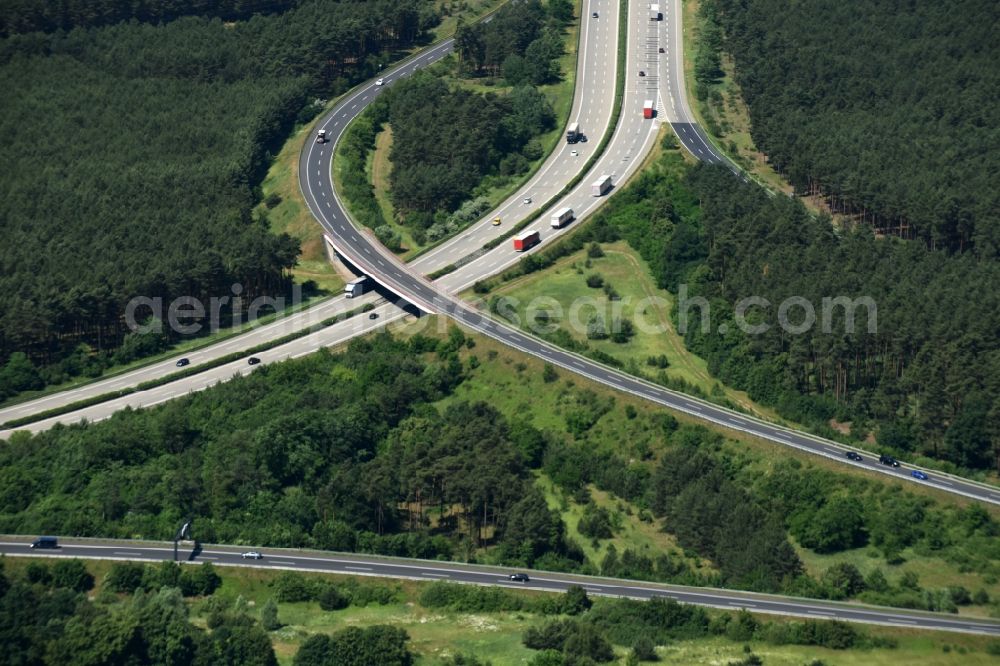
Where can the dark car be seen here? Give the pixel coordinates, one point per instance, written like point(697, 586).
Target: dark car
point(594, 15)
point(917, 474)
point(888, 460)
point(253, 360)
point(661, 49)
point(45, 542)
point(182, 362)
point(854, 456)
point(642, 72)
point(373, 315)
point(520, 577)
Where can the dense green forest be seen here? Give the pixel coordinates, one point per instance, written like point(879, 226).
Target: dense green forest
point(134, 156)
point(887, 109)
point(446, 140)
point(374, 451)
point(19, 16)
point(925, 382)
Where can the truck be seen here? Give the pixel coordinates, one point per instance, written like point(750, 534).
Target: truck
point(654, 13)
point(356, 287)
point(321, 136)
point(561, 217)
point(573, 133)
point(647, 109)
point(600, 186)
point(526, 241)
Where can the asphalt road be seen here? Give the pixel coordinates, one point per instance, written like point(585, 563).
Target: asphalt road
point(400, 568)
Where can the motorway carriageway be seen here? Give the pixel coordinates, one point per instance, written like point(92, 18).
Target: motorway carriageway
point(425, 570)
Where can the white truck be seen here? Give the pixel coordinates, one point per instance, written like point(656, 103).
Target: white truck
point(356, 287)
point(561, 217)
point(321, 136)
point(600, 186)
point(654, 13)
point(573, 133)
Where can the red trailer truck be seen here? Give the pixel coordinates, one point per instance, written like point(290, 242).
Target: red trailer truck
point(647, 109)
point(526, 241)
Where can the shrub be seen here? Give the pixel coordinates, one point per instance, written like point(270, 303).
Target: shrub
point(595, 281)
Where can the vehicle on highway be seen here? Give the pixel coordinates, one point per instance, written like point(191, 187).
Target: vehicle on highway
point(526, 241)
point(917, 474)
point(527, 201)
point(594, 15)
point(373, 315)
point(561, 217)
point(252, 555)
point(182, 362)
point(661, 49)
point(574, 153)
point(573, 133)
point(854, 456)
point(253, 360)
point(45, 542)
point(647, 109)
point(379, 82)
point(356, 287)
point(520, 577)
point(600, 186)
point(496, 221)
point(888, 460)
point(642, 72)
point(321, 136)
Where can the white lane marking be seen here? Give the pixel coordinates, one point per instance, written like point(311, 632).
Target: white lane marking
point(207, 558)
point(816, 612)
point(359, 568)
point(127, 552)
point(285, 562)
point(435, 575)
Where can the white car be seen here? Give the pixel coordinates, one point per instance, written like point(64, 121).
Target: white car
point(527, 201)
point(379, 82)
point(252, 555)
point(574, 153)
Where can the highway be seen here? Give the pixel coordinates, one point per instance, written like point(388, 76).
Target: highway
point(429, 571)
point(633, 138)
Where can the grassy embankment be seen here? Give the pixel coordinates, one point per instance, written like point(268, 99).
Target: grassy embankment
point(621, 267)
point(560, 96)
point(496, 636)
point(513, 383)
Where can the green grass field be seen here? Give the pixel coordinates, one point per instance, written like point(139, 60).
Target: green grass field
point(641, 301)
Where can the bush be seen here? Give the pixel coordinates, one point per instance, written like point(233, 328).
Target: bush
point(595, 281)
point(291, 587)
point(125, 577)
point(330, 599)
point(594, 251)
point(269, 616)
point(73, 575)
point(575, 601)
point(644, 650)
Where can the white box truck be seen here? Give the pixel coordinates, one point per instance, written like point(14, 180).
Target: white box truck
point(573, 133)
point(654, 13)
point(356, 287)
point(600, 186)
point(561, 217)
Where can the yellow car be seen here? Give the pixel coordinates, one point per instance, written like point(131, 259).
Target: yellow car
point(496, 221)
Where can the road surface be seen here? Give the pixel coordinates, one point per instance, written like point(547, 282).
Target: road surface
point(425, 570)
